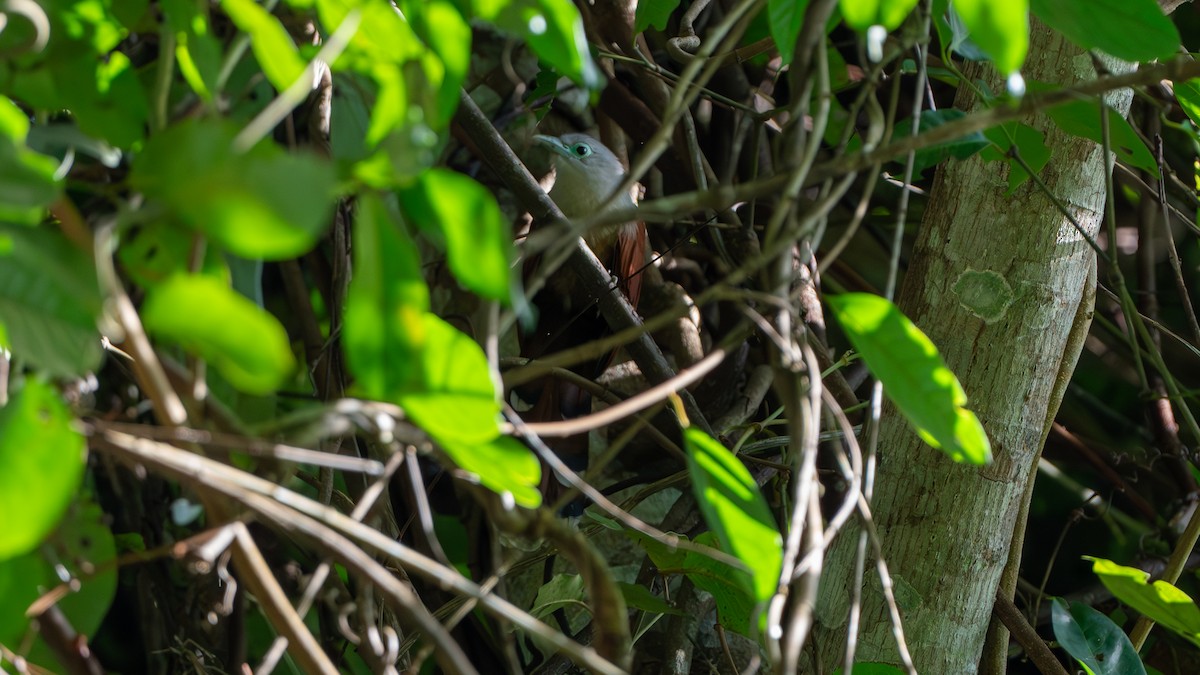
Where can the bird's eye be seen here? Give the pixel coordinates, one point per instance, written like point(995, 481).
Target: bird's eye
point(581, 149)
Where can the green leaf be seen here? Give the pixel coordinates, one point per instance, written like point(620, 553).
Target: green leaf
point(654, 13)
point(1160, 601)
point(787, 17)
point(862, 14)
point(462, 216)
point(265, 203)
point(245, 343)
point(82, 546)
point(1082, 119)
point(731, 587)
point(1030, 145)
point(554, 30)
point(27, 183)
point(1000, 28)
point(196, 50)
point(735, 509)
point(440, 25)
point(384, 329)
point(503, 465)
point(43, 460)
point(1094, 640)
point(959, 148)
point(49, 301)
point(913, 375)
point(1188, 95)
point(455, 400)
point(274, 49)
point(1133, 30)
point(639, 597)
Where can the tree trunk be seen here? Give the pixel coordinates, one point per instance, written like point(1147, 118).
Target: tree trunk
point(946, 528)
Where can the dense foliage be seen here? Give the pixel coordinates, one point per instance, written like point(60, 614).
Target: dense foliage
point(266, 271)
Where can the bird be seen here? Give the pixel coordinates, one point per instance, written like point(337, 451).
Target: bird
point(587, 174)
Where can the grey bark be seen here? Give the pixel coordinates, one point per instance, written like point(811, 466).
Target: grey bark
point(946, 528)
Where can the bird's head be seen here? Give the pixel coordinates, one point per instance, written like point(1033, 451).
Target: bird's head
point(587, 174)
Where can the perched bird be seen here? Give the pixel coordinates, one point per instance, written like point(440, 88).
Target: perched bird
point(587, 174)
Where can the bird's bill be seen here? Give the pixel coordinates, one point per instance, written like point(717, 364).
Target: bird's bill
point(554, 143)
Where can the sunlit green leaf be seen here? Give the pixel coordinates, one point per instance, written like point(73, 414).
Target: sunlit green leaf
point(439, 24)
point(1188, 95)
point(265, 203)
point(503, 465)
point(1134, 30)
point(456, 400)
point(554, 30)
point(27, 183)
point(913, 375)
point(49, 301)
point(82, 546)
point(1082, 119)
point(244, 342)
point(654, 13)
point(384, 329)
point(787, 18)
point(1094, 640)
point(461, 215)
point(274, 49)
point(43, 460)
point(999, 27)
point(196, 50)
point(1160, 601)
point(735, 509)
point(862, 14)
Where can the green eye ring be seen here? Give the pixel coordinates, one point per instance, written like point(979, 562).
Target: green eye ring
point(581, 150)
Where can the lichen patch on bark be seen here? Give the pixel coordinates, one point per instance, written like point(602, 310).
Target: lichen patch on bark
point(984, 293)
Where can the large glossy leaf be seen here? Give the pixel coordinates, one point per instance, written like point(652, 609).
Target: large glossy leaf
point(1134, 30)
point(913, 375)
point(1094, 640)
point(48, 301)
point(274, 49)
point(735, 509)
point(205, 316)
point(27, 183)
point(265, 203)
point(1000, 28)
point(43, 460)
point(862, 14)
point(1082, 119)
point(463, 217)
point(1160, 601)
